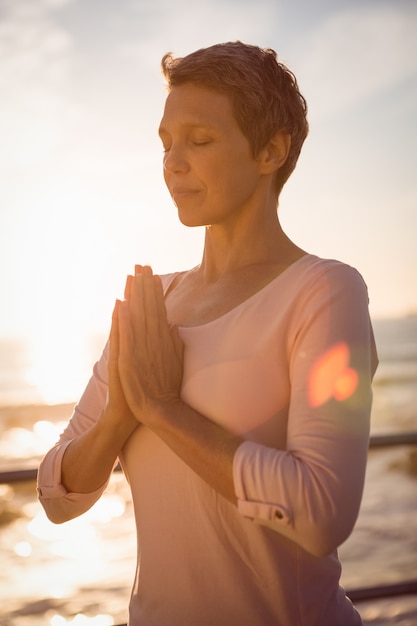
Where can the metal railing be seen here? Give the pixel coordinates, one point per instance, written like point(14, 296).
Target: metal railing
point(382, 591)
point(20, 476)
point(376, 441)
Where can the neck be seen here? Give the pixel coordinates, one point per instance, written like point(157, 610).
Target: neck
point(254, 243)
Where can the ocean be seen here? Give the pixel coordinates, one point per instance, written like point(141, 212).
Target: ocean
point(81, 572)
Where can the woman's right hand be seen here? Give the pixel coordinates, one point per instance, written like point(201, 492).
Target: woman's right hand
point(117, 409)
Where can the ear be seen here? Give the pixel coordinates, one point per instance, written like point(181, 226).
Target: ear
point(275, 153)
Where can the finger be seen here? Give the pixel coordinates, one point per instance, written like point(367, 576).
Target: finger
point(127, 363)
point(156, 318)
point(160, 303)
point(138, 269)
point(159, 291)
point(137, 309)
point(142, 305)
point(128, 286)
point(124, 335)
point(114, 338)
point(177, 341)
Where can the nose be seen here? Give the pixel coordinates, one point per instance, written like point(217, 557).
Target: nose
point(175, 160)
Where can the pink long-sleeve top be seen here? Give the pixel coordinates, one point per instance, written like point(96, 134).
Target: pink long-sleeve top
point(289, 370)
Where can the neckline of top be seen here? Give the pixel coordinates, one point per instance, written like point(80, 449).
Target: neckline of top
point(255, 295)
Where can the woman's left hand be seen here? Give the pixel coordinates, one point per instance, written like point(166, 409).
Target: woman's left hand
point(150, 351)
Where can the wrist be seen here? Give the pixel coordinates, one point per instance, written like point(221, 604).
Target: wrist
point(117, 424)
point(158, 413)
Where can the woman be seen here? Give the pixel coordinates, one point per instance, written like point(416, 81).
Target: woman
point(236, 395)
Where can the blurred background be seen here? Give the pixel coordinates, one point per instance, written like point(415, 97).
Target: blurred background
point(82, 200)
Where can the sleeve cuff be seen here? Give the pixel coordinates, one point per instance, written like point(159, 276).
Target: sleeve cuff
point(49, 485)
point(245, 461)
point(49, 473)
point(263, 512)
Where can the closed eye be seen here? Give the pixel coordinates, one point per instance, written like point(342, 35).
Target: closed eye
point(201, 142)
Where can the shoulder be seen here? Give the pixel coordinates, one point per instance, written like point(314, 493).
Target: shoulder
point(320, 284)
point(315, 272)
point(318, 266)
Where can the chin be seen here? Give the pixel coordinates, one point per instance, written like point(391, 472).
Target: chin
point(191, 220)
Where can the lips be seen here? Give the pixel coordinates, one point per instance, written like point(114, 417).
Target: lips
point(181, 193)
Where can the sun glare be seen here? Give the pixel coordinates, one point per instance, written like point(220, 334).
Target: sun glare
point(60, 366)
point(81, 620)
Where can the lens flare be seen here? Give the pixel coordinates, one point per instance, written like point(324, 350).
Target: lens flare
point(331, 377)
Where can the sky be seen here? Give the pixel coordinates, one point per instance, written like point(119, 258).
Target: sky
point(82, 197)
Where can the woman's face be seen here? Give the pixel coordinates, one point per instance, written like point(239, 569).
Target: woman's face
point(208, 165)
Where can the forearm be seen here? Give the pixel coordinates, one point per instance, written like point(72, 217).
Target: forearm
point(203, 445)
point(89, 458)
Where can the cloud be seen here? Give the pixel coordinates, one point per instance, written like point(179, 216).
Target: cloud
point(32, 46)
point(35, 61)
point(188, 26)
point(357, 53)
